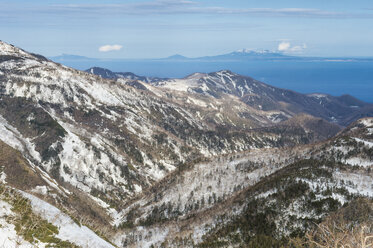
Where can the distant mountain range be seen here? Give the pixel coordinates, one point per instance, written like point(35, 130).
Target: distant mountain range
point(70, 57)
point(239, 55)
point(334, 76)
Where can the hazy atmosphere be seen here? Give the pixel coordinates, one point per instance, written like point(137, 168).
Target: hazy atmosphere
point(160, 28)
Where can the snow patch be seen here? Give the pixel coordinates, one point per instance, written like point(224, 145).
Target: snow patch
point(68, 229)
point(42, 190)
point(8, 234)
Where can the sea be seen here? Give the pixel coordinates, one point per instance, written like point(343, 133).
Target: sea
point(334, 77)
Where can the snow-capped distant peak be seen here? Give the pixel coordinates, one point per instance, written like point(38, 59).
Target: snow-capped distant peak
point(251, 51)
point(244, 50)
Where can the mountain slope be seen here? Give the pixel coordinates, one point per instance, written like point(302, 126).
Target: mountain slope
point(150, 164)
point(269, 194)
point(105, 73)
point(260, 96)
point(341, 110)
point(108, 139)
point(303, 193)
point(27, 221)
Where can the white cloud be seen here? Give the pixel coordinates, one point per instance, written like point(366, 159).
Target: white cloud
point(285, 46)
point(108, 48)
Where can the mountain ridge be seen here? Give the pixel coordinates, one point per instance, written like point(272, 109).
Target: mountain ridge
point(262, 96)
point(239, 55)
point(317, 75)
point(144, 165)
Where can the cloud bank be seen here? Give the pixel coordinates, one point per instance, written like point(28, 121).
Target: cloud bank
point(172, 7)
point(286, 47)
point(108, 48)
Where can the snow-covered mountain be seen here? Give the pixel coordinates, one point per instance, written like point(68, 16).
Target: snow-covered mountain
point(272, 193)
point(260, 96)
point(105, 73)
point(168, 161)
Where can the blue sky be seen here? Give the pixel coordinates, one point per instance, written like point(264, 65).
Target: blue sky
point(160, 28)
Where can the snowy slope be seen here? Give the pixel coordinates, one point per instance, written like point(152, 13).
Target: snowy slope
point(342, 110)
point(208, 197)
point(107, 130)
point(173, 160)
point(68, 229)
point(8, 234)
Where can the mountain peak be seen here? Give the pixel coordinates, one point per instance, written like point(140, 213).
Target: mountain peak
point(225, 72)
point(71, 57)
point(10, 50)
point(177, 56)
point(362, 128)
point(102, 72)
point(96, 68)
point(367, 122)
point(196, 75)
point(222, 73)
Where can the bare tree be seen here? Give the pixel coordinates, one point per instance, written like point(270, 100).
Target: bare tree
point(332, 234)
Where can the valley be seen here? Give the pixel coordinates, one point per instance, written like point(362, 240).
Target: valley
point(210, 160)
